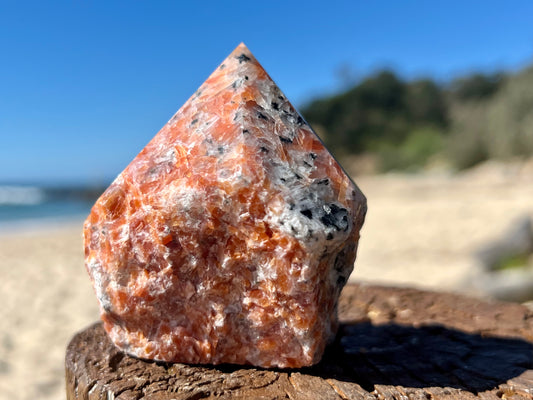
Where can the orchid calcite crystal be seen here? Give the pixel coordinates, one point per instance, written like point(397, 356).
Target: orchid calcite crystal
point(230, 236)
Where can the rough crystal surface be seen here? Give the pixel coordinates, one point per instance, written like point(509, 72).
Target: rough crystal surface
point(230, 236)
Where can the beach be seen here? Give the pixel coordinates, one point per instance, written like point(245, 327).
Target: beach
point(47, 298)
point(421, 231)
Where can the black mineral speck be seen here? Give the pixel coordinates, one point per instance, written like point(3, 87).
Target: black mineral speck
point(308, 213)
point(300, 120)
point(222, 66)
point(338, 265)
point(291, 206)
point(264, 149)
point(285, 140)
point(260, 115)
point(245, 131)
point(246, 77)
point(194, 121)
point(313, 156)
point(275, 105)
point(243, 58)
point(329, 236)
point(324, 181)
point(335, 216)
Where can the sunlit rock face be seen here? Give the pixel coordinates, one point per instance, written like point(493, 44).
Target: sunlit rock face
point(230, 236)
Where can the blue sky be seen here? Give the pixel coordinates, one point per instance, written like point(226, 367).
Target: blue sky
point(85, 84)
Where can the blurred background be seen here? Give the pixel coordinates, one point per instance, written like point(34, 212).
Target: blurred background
point(429, 106)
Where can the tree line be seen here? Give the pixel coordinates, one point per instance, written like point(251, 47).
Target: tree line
point(406, 124)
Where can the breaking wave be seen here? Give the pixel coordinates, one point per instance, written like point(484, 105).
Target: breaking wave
point(21, 196)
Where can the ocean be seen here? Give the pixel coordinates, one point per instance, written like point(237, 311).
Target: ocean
point(28, 204)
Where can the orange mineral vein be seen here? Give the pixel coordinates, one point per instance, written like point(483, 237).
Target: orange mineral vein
point(230, 236)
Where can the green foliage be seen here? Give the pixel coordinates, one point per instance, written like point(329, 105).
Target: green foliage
point(466, 145)
point(382, 110)
point(513, 262)
point(476, 86)
point(414, 152)
point(472, 119)
point(426, 103)
point(498, 127)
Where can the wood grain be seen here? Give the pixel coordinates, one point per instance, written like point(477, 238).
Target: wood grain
point(393, 343)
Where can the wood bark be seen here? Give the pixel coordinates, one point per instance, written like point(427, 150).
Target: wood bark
point(393, 343)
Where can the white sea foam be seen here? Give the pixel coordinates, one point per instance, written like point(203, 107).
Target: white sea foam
point(21, 195)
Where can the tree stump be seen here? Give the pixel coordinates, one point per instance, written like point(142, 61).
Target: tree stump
point(392, 344)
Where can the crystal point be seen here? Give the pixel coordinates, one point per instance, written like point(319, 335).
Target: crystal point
point(230, 236)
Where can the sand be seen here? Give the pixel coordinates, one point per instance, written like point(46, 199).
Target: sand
point(420, 231)
point(423, 231)
point(47, 298)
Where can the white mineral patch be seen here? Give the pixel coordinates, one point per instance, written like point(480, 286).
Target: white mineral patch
point(265, 272)
point(220, 316)
point(100, 282)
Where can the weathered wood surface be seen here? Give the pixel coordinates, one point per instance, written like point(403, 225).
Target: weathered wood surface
point(393, 344)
